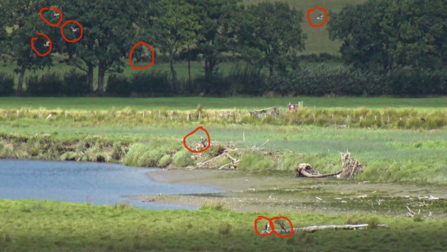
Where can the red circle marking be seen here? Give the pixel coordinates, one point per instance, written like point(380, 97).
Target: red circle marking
point(32, 44)
point(209, 140)
point(273, 228)
point(62, 31)
point(52, 8)
point(131, 52)
point(310, 21)
point(256, 225)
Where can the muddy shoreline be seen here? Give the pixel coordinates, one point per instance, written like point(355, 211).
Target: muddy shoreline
point(250, 192)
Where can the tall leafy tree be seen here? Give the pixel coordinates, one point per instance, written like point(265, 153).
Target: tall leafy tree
point(109, 34)
point(22, 17)
point(174, 28)
point(270, 35)
point(388, 34)
point(218, 28)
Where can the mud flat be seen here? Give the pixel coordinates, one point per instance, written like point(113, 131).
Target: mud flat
point(251, 192)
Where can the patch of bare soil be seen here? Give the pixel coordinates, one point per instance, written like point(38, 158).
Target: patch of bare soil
point(249, 192)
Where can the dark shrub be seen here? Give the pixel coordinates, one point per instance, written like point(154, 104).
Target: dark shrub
point(246, 81)
point(215, 85)
point(49, 84)
point(157, 83)
point(75, 83)
point(6, 84)
point(118, 85)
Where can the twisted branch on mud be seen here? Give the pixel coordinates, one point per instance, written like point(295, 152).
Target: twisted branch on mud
point(350, 168)
point(225, 153)
point(315, 228)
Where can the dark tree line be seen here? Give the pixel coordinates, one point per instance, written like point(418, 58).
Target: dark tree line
point(379, 35)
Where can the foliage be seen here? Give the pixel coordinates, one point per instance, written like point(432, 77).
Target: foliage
point(49, 84)
point(118, 85)
point(108, 35)
point(175, 27)
point(6, 84)
point(23, 17)
point(385, 34)
point(270, 35)
point(217, 20)
point(75, 84)
point(246, 81)
point(155, 83)
point(182, 158)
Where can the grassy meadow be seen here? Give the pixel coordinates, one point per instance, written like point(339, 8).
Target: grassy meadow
point(55, 226)
point(237, 103)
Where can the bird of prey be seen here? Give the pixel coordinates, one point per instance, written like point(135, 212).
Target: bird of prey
point(74, 29)
point(56, 14)
point(47, 44)
point(320, 17)
point(267, 226)
point(283, 226)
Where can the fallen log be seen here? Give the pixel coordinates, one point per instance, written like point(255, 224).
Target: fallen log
point(350, 168)
point(315, 228)
point(305, 170)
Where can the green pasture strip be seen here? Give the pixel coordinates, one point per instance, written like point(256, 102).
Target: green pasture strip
point(188, 103)
point(57, 226)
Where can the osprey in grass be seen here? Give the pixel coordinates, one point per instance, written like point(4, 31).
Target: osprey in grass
point(320, 17)
point(283, 226)
point(266, 229)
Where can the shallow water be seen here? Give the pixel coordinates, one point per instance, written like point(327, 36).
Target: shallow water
point(95, 183)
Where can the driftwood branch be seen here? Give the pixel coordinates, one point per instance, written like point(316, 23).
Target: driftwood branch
point(315, 228)
point(350, 168)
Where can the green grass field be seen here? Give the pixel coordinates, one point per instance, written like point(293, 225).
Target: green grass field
point(189, 103)
point(55, 226)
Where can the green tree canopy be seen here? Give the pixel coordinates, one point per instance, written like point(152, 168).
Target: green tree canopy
point(386, 34)
point(109, 34)
point(270, 35)
point(176, 25)
point(22, 17)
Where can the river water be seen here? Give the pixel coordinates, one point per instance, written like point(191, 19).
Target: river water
point(95, 183)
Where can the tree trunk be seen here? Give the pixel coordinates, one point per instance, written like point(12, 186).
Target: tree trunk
point(21, 77)
point(189, 70)
point(90, 77)
point(171, 65)
point(210, 63)
point(101, 74)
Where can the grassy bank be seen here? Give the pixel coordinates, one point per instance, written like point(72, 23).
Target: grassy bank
point(56, 226)
point(388, 155)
